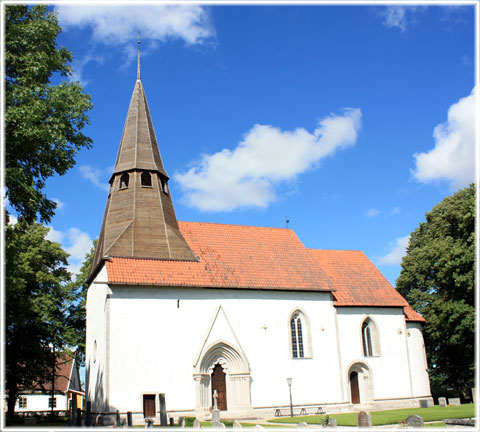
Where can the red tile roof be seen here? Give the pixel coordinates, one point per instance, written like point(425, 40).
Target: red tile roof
point(238, 256)
point(231, 256)
point(357, 281)
point(411, 315)
point(63, 373)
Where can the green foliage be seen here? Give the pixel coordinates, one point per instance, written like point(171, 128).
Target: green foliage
point(78, 315)
point(437, 279)
point(37, 306)
point(43, 122)
point(389, 417)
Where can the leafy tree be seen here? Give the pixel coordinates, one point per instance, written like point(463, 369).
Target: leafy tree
point(78, 314)
point(43, 122)
point(438, 279)
point(37, 306)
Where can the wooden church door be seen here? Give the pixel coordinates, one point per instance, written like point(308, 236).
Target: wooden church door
point(219, 384)
point(354, 388)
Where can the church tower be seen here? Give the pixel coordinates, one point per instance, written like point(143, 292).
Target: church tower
point(139, 220)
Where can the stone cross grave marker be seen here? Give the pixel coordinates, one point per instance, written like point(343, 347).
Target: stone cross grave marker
point(364, 419)
point(414, 421)
point(442, 401)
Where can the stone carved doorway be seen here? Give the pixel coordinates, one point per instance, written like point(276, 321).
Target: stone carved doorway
point(360, 379)
point(224, 368)
point(219, 384)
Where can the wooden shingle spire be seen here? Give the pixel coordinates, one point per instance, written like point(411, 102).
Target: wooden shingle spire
point(139, 220)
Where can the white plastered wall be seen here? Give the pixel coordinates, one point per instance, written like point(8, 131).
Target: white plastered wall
point(389, 372)
point(39, 402)
point(96, 342)
point(418, 360)
point(157, 334)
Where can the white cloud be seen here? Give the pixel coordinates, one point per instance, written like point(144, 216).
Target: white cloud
point(59, 203)
point(75, 242)
point(398, 16)
point(248, 175)
point(79, 64)
point(97, 176)
point(12, 220)
point(397, 251)
point(395, 211)
point(372, 212)
point(453, 157)
point(119, 24)
point(55, 236)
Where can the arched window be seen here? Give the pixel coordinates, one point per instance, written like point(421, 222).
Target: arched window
point(146, 179)
point(164, 185)
point(124, 179)
point(370, 339)
point(297, 336)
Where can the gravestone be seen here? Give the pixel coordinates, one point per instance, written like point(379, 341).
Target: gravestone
point(474, 395)
point(454, 401)
point(149, 422)
point(302, 425)
point(172, 421)
point(197, 424)
point(364, 419)
point(215, 411)
point(237, 425)
point(218, 425)
point(163, 410)
point(425, 403)
point(181, 422)
point(259, 427)
point(442, 401)
point(414, 421)
point(332, 422)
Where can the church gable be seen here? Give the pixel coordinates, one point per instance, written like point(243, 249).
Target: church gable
point(219, 332)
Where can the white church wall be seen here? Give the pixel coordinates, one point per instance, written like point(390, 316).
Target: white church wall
point(96, 342)
point(158, 334)
point(418, 360)
point(389, 371)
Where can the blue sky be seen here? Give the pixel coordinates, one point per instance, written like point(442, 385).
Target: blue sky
point(352, 121)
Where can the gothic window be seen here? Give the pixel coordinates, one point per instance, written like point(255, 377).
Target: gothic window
point(124, 179)
point(146, 179)
point(300, 339)
point(297, 336)
point(370, 339)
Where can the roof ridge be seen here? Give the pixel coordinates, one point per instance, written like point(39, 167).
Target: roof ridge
point(237, 225)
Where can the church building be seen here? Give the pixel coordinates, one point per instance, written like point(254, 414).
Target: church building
point(181, 309)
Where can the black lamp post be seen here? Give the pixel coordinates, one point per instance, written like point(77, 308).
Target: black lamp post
point(289, 382)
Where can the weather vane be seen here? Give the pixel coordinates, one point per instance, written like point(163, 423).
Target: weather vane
point(138, 63)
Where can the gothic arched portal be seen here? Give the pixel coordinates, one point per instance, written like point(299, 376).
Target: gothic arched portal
point(222, 362)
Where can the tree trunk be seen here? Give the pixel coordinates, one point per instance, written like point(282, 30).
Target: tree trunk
point(12, 389)
point(53, 384)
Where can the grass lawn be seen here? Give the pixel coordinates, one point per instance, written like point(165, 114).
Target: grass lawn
point(390, 416)
point(229, 424)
